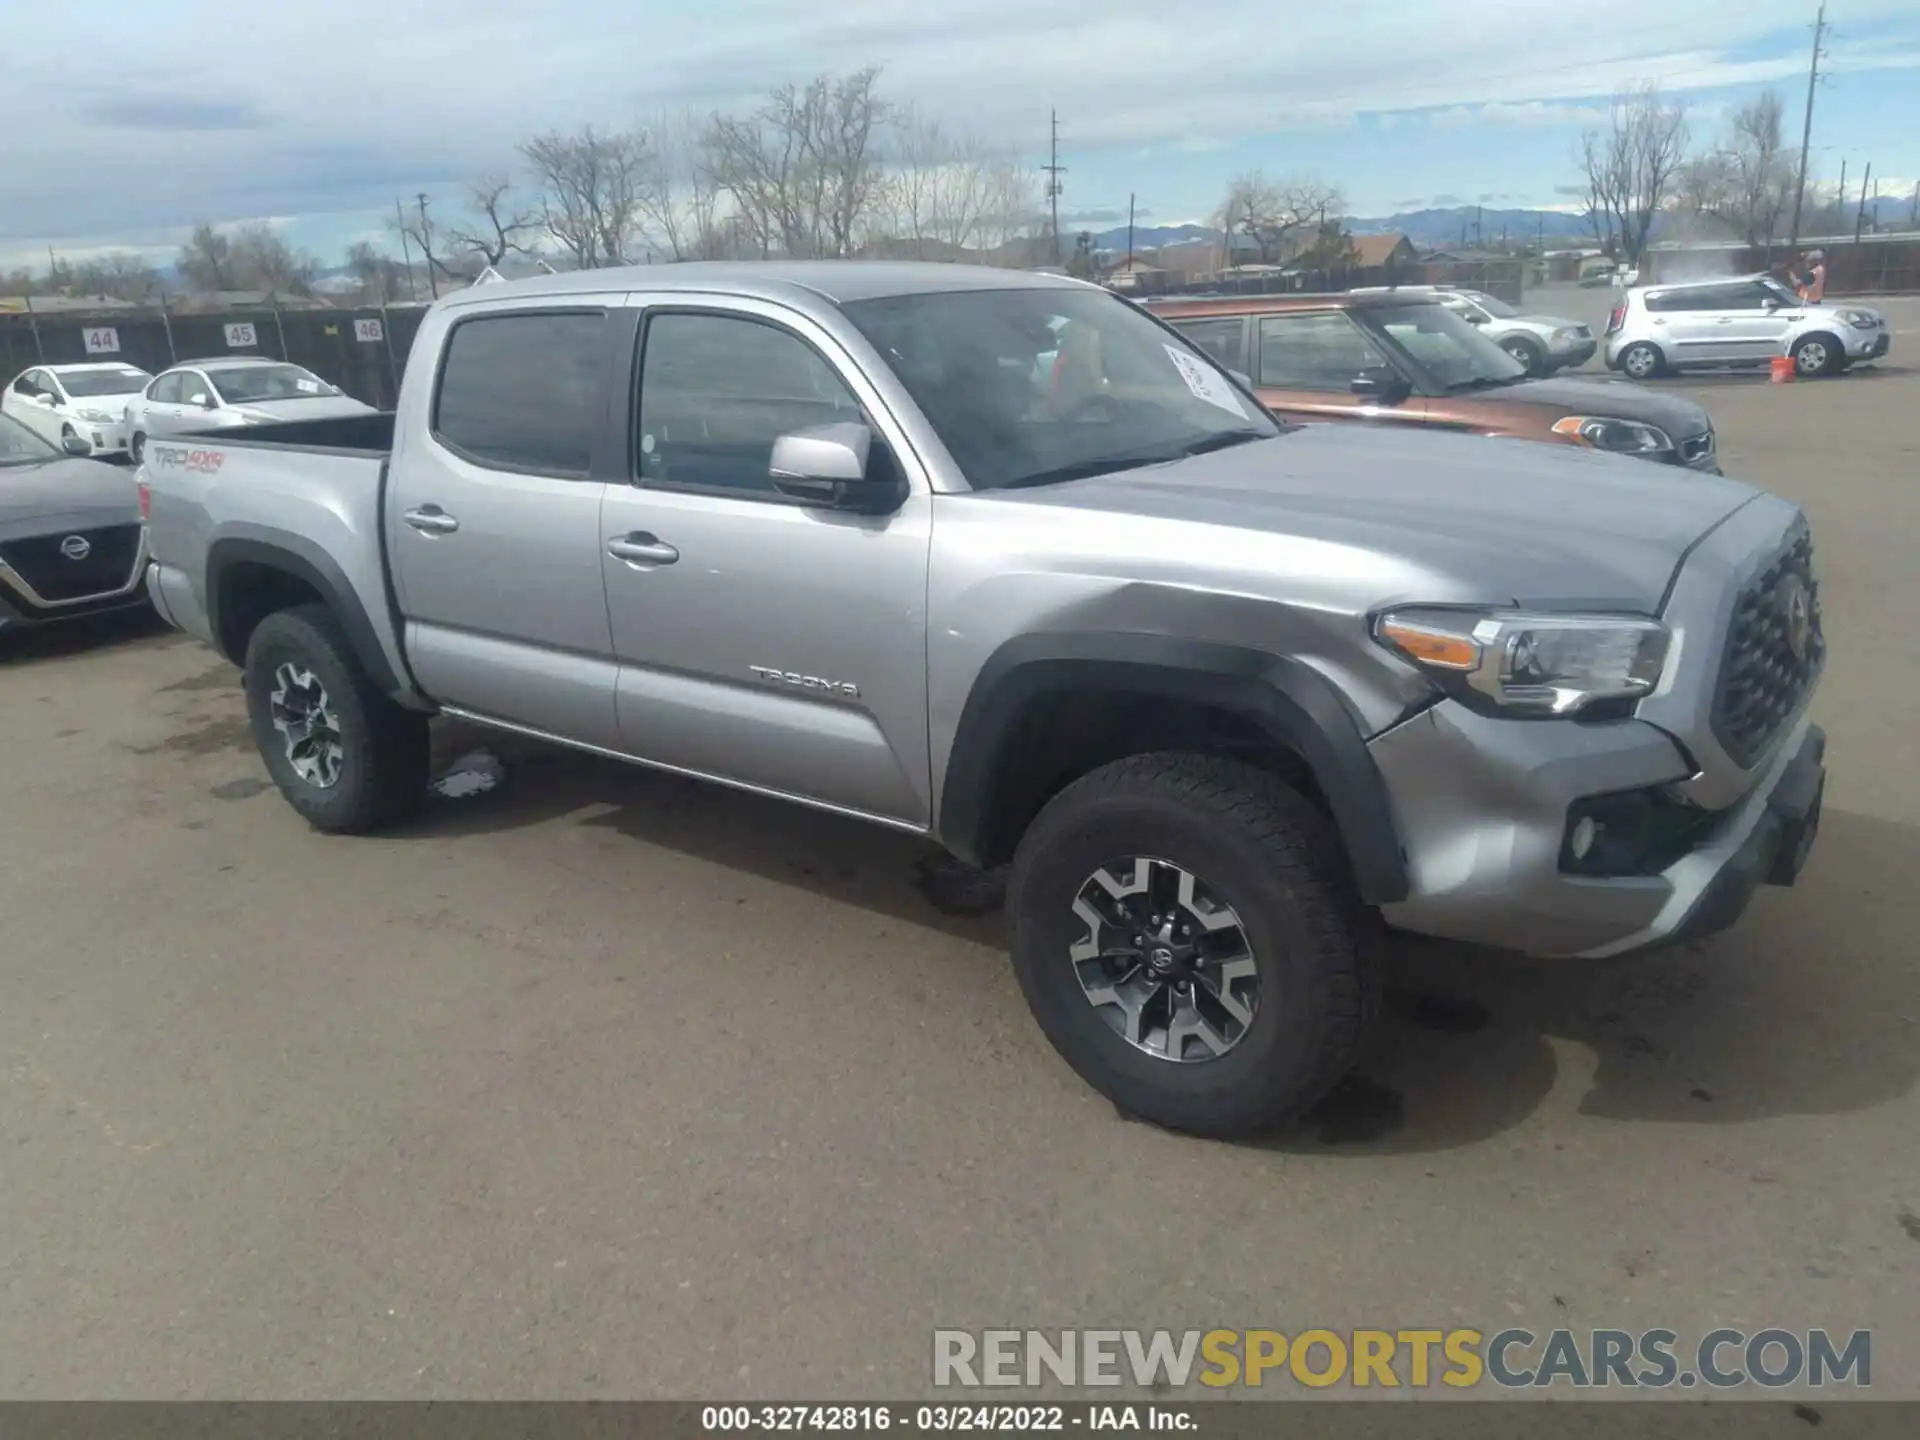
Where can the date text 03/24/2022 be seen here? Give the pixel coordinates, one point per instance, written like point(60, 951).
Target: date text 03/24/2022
point(945, 1419)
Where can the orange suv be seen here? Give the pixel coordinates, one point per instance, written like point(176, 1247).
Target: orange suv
point(1397, 359)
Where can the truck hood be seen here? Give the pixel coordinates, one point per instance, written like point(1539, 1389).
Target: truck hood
point(1492, 521)
point(65, 495)
point(1615, 399)
point(318, 407)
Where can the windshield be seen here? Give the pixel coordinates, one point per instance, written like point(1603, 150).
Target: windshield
point(1780, 291)
point(86, 384)
point(1497, 308)
point(20, 446)
point(1025, 387)
point(257, 383)
point(1455, 354)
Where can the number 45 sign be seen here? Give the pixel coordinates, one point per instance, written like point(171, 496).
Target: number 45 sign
point(102, 340)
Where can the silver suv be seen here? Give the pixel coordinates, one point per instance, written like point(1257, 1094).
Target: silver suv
point(1658, 329)
point(1224, 694)
point(1542, 343)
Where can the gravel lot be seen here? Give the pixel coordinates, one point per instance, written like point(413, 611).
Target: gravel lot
point(608, 1084)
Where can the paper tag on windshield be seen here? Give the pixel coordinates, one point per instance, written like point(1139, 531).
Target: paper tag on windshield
point(309, 387)
point(1206, 383)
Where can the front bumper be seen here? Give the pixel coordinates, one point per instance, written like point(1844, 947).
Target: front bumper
point(1482, 806)
point(1867, 344)
point(109, 439)
point(1574, 355)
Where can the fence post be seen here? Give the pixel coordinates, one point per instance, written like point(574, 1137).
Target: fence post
point(393, 368)
point(39, 354)
point(166, 322)
point(274, 301)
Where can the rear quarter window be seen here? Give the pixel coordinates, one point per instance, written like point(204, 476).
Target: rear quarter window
point(524, 391)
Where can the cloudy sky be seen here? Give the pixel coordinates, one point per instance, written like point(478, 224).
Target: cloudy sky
point(315, 114)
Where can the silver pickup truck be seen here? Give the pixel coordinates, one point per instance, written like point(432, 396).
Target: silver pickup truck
point(1000, 560)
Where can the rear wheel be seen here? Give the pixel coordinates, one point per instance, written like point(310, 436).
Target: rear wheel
point(344, 755)
point(137, 447)
point(1818, 355)
point(1642, 361)
point(1186, 935)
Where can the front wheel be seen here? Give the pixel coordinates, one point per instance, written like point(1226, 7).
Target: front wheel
point(1818, 355)
point(1185, 933)
point(344, 755)
point(1527, 353)
point(137, 447)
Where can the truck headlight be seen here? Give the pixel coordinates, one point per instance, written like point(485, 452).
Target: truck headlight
point(1623, 437)
point(1505, 662)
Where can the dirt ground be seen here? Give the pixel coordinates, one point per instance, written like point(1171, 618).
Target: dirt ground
point(608, 1084)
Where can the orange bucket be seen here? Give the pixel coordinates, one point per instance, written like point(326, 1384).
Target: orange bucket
point(1782, 369)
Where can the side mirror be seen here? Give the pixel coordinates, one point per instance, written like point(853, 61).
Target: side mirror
point(1388, 389)
point(205, 402)
point(1474, 319)
point(827, 466)
point(76, 445)
point(1770, 305)
point(48, 401)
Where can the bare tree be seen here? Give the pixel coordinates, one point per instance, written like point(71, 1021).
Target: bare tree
point(415, 227)
point(206, 260)
point(380, 276)
point(119, 274)
point(592, 188)
point(679, 205)
point(1762, 175)
point(1631, 166)
point(1275, 215)
point(803, 171)
point(952, 196)
point(262, 260)
point(498, 224)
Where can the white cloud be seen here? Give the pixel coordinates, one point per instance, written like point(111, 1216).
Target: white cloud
point(220, 119)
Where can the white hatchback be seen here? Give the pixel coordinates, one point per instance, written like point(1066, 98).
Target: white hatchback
point(1656, 329)
point(90, 401)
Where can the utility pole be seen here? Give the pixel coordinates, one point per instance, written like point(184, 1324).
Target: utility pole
point(1860, 215)
point(1913, 212)
point(406, 251)
point(1054, 170)
point(1806, 126)
point(1129, 234)
point(426, 246)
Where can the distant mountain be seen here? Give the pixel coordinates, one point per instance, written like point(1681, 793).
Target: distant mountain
point(1428, 229)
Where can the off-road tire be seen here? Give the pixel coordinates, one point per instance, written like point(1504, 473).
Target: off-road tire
point(1833, 356)
point(386, 763)
point(1277, 861)
point(1653, 372)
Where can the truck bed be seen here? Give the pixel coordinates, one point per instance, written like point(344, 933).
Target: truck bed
point(357, 434)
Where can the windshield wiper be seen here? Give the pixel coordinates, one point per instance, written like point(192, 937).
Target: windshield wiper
point(1080, 470)
point(1222, 440)
point(1486, 382)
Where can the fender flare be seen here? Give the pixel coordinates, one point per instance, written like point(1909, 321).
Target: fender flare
point(306, 561)
point(1285, 699)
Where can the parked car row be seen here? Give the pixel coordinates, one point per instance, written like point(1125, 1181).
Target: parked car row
point(1542, 343)
point(116, 408)
point(1006, 562)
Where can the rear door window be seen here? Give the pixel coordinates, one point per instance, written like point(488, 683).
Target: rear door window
point(1223, 339)
point(524, 392)
point(1322, 351)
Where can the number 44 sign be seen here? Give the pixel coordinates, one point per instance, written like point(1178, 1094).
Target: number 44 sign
point(103, 340)
point(369, 332)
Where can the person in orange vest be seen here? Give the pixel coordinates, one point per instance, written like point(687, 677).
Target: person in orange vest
point(1813, 286)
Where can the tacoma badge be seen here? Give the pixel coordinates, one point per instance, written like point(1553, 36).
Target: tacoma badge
point(841, 688)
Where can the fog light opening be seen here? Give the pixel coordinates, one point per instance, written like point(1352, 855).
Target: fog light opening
point(1585, 831)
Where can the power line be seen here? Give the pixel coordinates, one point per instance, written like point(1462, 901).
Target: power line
point(1806, 127)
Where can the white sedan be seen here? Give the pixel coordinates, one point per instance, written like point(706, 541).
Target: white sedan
point(90, 401)
point(201, 395)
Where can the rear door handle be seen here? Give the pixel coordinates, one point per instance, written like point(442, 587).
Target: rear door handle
point(431, 520)
point(642, 547)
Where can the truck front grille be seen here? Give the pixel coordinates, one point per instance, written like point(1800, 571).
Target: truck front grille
point(58, 569)
point(1775, 650)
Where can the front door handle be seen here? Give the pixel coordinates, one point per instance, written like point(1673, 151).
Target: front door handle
point(431, 520)
point(641, 547)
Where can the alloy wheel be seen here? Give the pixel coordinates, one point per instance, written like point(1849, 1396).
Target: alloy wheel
point(1811, 357)
point(1639, 363)
point(1165, 961)
point(303, 716)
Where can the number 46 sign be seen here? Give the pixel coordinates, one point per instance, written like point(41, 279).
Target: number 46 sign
point(369, 332)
